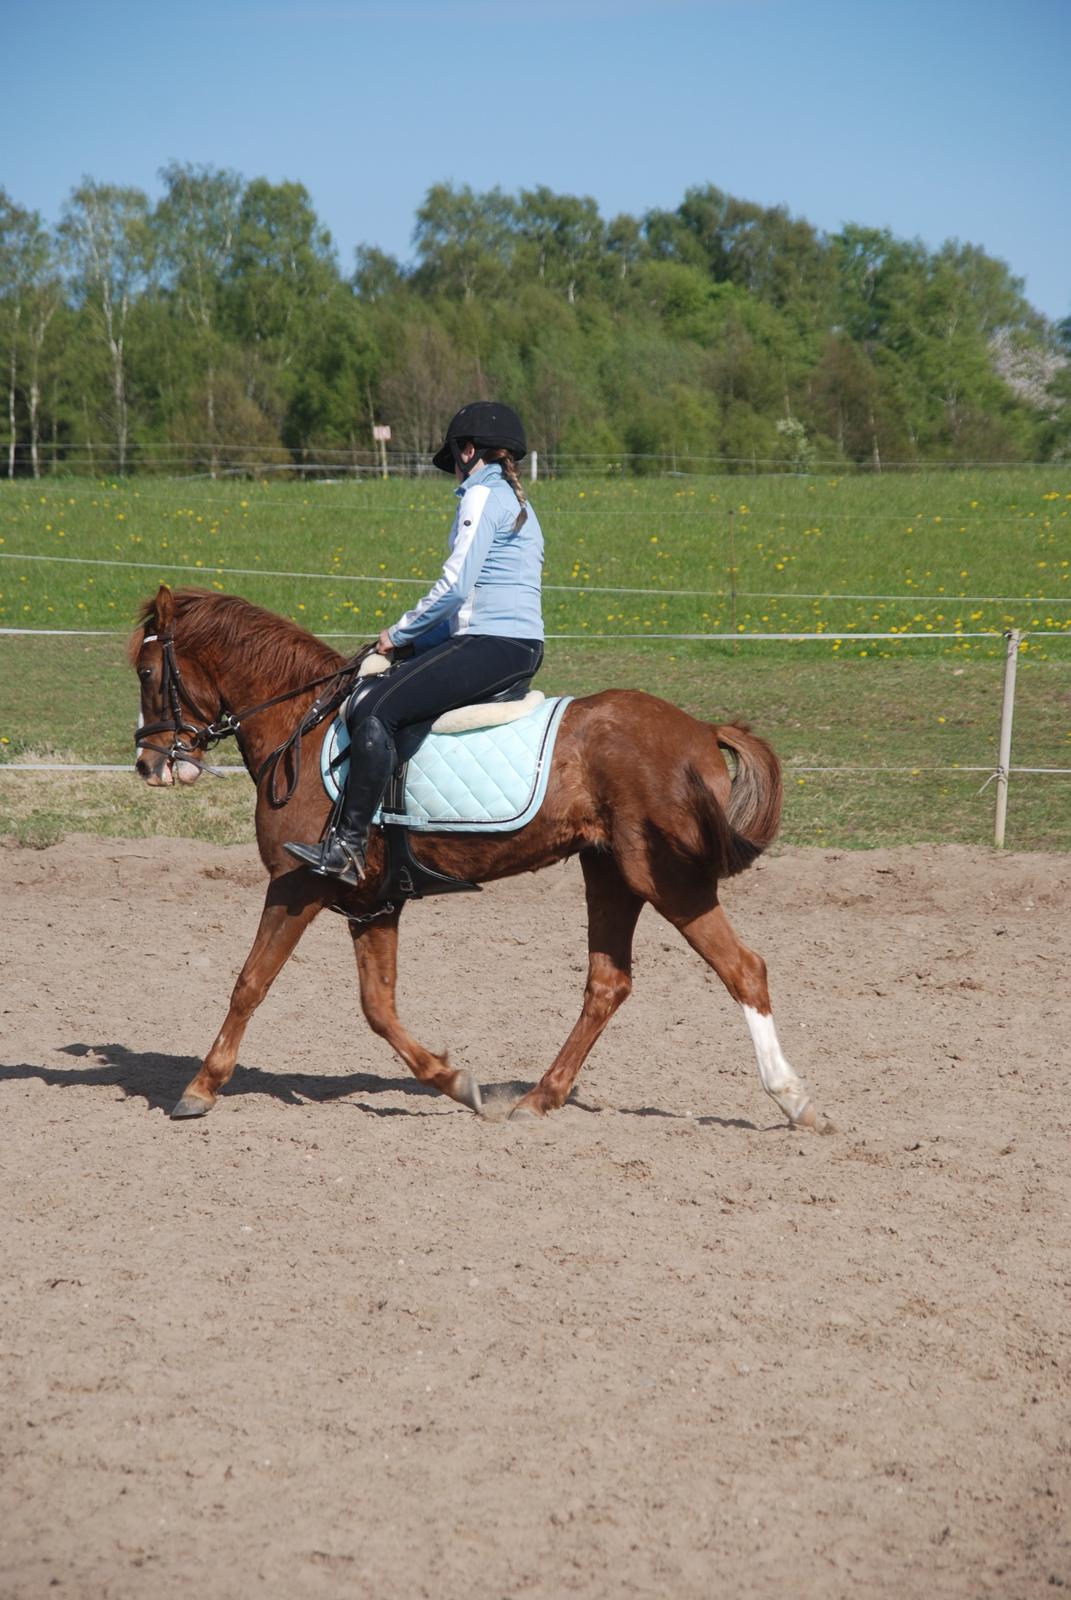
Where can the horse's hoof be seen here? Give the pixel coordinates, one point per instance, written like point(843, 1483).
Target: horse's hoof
point(466, 1091)
point(191, 1105)
point(523, 1113)
point(813, 1120)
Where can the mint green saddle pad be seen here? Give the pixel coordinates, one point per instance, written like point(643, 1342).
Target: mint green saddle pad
point(488, 780)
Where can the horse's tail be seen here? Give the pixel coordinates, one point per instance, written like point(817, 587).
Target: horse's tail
point(750, 820)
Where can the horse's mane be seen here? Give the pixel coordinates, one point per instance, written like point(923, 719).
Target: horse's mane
point(203, 617)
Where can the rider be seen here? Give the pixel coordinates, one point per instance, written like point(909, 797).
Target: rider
point(477, 631)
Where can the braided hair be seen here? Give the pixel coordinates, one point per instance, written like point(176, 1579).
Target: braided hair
point(509, 472)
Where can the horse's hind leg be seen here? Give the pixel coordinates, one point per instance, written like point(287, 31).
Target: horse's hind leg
point(613, 910)
point(376, 949)
point(743, 973)
point(282, 922)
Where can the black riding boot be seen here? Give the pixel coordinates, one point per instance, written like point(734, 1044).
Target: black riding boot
point(372, 760)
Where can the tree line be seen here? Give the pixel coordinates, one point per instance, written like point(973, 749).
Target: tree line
point(215, 327)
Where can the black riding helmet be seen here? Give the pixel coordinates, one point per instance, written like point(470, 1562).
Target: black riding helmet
point(489, 425)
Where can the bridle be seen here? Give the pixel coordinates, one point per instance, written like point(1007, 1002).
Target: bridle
point(176, 694)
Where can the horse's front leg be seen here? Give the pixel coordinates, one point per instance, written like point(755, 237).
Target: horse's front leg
point(282, 922)
point(376, 948)
point(613, 910)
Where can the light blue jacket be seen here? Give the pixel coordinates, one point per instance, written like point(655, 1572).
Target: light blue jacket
point(491, 580)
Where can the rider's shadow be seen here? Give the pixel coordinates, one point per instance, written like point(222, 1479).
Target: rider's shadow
point(160, 1079)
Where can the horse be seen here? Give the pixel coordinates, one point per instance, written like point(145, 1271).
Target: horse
point(638, 789)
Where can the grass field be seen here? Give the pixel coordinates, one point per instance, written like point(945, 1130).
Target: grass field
point(932, 543)
point(938, 553)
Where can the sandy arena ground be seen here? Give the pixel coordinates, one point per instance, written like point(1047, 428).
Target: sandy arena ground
point(342, 1338)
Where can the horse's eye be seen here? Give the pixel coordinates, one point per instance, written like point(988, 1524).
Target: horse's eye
point(144, 673)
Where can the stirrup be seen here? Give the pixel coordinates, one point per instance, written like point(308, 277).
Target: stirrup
point(337, 858)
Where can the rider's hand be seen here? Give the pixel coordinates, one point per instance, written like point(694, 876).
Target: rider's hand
point(385, 644)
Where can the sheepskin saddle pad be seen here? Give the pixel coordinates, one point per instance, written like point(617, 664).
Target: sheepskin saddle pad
point(486, 778)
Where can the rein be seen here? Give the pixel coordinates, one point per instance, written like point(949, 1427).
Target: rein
point(174, 690)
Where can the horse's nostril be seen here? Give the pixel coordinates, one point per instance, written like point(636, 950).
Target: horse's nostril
point(141, 767)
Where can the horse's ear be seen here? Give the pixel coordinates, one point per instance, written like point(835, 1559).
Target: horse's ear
point(164, 609)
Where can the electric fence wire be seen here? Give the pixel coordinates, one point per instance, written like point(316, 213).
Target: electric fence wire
point(829, 636)
point(557, 588)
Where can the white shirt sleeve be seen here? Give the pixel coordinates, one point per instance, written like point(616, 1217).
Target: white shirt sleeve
point(474, 533)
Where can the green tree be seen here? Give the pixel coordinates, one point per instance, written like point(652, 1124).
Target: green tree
point(106, 235)
point(623, 246)
point(424, 377)
point(763, 249)
point(283, 269)
point(851, 404)
point(196, 230)
point(376, 275)
point(668, 238)
point(719, 328)
point(564, 236)
point(329, 408)
point(464, 240)
point(31, 292)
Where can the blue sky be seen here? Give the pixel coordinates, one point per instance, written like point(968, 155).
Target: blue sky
point(939, 120)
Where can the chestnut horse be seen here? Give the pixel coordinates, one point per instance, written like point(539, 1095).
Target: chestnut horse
point(638, 789)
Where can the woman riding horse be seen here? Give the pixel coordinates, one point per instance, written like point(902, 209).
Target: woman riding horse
point(477, 631)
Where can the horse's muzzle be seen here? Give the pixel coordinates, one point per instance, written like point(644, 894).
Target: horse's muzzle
point(160, 772)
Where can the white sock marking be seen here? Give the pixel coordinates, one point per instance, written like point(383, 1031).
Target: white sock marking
point(778, 1078)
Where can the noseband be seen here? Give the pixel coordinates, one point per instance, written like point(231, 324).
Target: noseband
point(175, 693)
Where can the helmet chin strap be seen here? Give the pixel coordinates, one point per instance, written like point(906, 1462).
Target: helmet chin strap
point(463, 467)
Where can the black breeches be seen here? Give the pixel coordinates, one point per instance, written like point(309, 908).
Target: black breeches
point(460, 672)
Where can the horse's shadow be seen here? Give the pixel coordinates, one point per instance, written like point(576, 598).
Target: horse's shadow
point(498, 1098)
point(159, 1079)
